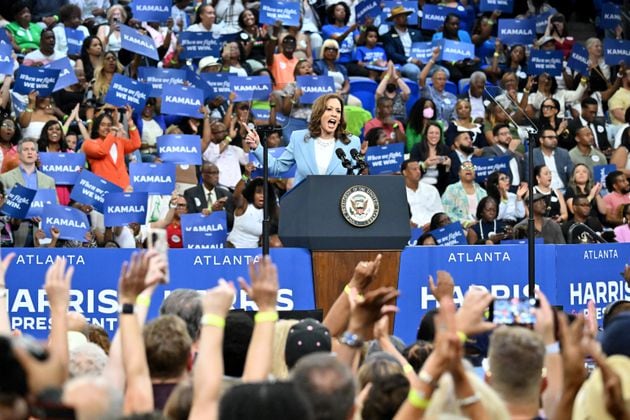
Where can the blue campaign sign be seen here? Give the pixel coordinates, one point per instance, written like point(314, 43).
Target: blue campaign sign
point(42, 199)
point(485, 166)
point(196, 81)
point(412, 19)
point(125, 91)
point(591, 272)
point(251, 87)
point(152, 178)
point(200, 44)
point(18, 201)
point(611, 16)
point(74, 39)
point(6, 60)
point(517, 31)
point(314, 86)
point(263, 114)
point(28, 79)
point(452, 234)
point(151, 10)
point(219, 84)
point(94, 285)
point(122, 208)
point(4, 38)
point(182, 149)
point(367, 8)
point(275, 152)
point(600, 172)
point(433, 16)
point(91, 189)
point(416, 233)
point(158, 77)
point(182, 100)
point(542, 19)
point(67, 76)
point(616, 51)
point(135, 42)
point(385, 159)
point(549, 62)
point(204, 232)
point(72, 223)
point(423, 51)
point(64, 168)
point(578, 60)
point(503, 6)
point(288, 12)
point(456, 51)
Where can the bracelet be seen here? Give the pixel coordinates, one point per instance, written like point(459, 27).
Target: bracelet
point(212, 320)
point(143, 300)
point(395, 126)
point(269, 316)
point(490, 22)
point(553, 348)
point(462, 336)
point(347, 290)
point(386, 77)
point(407, 368)
point(244, 178)
point(272, 105)
point(417, 399)
point(28, 110)
point(133, 128)
point(173, 61)
point(496, 54)
point(470, 400)
point(584, 80)
point(89, 122)
point(526, 91)
point(427, 378)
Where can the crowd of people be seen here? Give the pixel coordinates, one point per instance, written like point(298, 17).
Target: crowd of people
point(581, 119)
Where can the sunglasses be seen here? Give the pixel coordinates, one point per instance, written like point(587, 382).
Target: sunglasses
point(330, 49)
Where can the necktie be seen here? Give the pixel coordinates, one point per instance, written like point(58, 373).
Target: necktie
point(210, 200)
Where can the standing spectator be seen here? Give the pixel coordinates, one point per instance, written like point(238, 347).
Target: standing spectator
point(547, 87)
point(549, 118)
point(555, 158)
point(94, 12)
point(282, 64)
point(25, 33)
point(69, 17)
point(205, 18)
point(339, 30)
point(462, 68)
point(423, 199)
point(179, 15)
point(394, 87)
point(9, 137)
point(393, 128)
point(620, 101)
point(398, 42)
point(91, 56)
point(38, 111)
point(253, 37)
point(584, 152)
point(209, 196)
point(618, 195)
point(46, 53)
point(599, 71)
point(226, 157)
point(436, 91)
point(432, 155)
point(588, 118)
point(557, 29)
point(460, 200)
point(110, 34)
point(506, 145)
point(227, 14)
point(103, 75)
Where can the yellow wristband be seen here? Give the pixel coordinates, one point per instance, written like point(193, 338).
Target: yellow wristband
point(417, 399)
point(133, 128)
point(407, 368)
point(213, 320)
point(347, 290)
point(386, 77)
point(270, 316)
point(143, 300)
point(462, 336)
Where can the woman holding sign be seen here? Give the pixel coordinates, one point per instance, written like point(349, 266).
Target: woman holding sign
point(313, 150)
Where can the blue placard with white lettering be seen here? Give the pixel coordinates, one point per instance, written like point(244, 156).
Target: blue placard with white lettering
point(125, 91)
point(91, 189)
point(385, 159)
point(182, 100)
point(485, 166)
point(456, 51)
point(219, 84)
point(72, 223)
point(201, 231)
point(611, 16)
point(123, 208)
point(452, 234)
point(151, 10)
point(197, 82)
point(412, 19)
point(182, 149)
point(4, 38)
point(6, 60)
point(600, 172)
point(315, 86)
point(416, 233)
point(200, 44)
point(578, 60)
point(18, 201)
point(264, 114)
point(135, 42)
point(549, 62)
point(64, 168)
point(423, 51)
point(517, 31)
point(616, 51)
point(153, 178)
point(433, 16)
point(288, 12)
point(28, 79)
point(67, 76)
point(158, 77)
point(42, 199)
point(367, 8)
point(542, 19)
point(275, 153)
point(251, 87)
point(74, 40)
point(503, 6)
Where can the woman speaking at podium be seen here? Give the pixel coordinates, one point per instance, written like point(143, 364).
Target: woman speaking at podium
point(318, 149)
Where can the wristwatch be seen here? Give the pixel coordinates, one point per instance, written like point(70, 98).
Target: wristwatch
point(351, 340)
point(126, 308)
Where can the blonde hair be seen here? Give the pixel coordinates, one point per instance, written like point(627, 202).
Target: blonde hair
point(329, 43)
point(123, 13)
point(100, 85)
point(281, 331)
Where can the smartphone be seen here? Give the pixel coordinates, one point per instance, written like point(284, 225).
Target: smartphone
point(514, 311)
point(156, 239)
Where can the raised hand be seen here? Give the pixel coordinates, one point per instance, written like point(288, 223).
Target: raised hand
point(218, 300)
point(264, 287)
point(444, 287)
point(364, 273)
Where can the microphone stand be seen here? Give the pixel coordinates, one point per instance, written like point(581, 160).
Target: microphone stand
point(531, 229)
point(266, 224)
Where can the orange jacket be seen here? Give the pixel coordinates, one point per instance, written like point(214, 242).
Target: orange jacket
point(101, 162)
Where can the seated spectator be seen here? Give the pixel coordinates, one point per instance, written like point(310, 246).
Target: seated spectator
point(584, 152)
point(547, 87)
point(395, 88)
point(432, 155)
point(621, 156)
point(555, 158)
point(485, 42)
point(151, 125)
point(253, 36)
point(436, 91)
point(544, 227)
point(582, 215)
point(463, 151)
point(303, 50)
point(464, 122)
point(376, 137)
point(477, 96)
point(588, 118)
point(620, 101)
point(394, 129)
point(227, 14)
point(369, 59)
point(511, 206)
point(513, 60)
point(69, 17)
point(549, 118)
point(103, 75)
point(398, 43)
point(205, 18)
point(556, 205)
point(233, 59)
point(618, 195)
point(488, 230)
point(511, 100)
point(275, 400)
point(180, 16)
point(460, 200)
point(581, 182)
point(423, 199)
point(422, 112)
point(25, 33)
point(328, 65)
point(338, 29)
point(209, 196)
point(9, 137)
point(622, 232)
point(109, 34)
point(46, 53)
point(38, 112)
point(506, 145)
point(462, 68)
point(226, 157)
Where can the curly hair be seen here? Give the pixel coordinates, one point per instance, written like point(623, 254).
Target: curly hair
point(319, 107)
point(330, 12)
point(44, 141)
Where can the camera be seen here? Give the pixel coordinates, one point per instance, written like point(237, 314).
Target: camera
point(514, 311)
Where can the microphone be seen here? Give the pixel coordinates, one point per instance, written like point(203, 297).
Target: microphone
point(345, 162)
point(359, 158)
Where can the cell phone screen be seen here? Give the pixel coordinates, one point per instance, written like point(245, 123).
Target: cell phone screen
point(514, 311)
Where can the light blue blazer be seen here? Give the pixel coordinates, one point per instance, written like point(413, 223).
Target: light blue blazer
point(302, 153)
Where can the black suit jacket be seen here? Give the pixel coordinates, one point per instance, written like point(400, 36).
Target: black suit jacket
point(394, 47)
point(601, 141)
point(492, 151)
point(196, 201)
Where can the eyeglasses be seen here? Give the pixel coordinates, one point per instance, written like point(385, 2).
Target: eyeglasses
point(330, 49)
point(467, 166)
point(7, 125)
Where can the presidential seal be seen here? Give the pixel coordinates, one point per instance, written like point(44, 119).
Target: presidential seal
point(359, 206)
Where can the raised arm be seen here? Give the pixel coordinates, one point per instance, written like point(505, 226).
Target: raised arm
point(422, 79)
point(5, 324)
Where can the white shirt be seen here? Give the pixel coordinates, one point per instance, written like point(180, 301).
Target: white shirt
point(151, 130)
point(405, 39)
point(198, 27)
point(424, 202)
point(323, 154)
point(556, 180)
point(228, 162)
point(477, 108)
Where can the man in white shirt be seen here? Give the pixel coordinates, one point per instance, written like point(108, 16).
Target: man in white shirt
point(423, 199)
point(227, 158)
